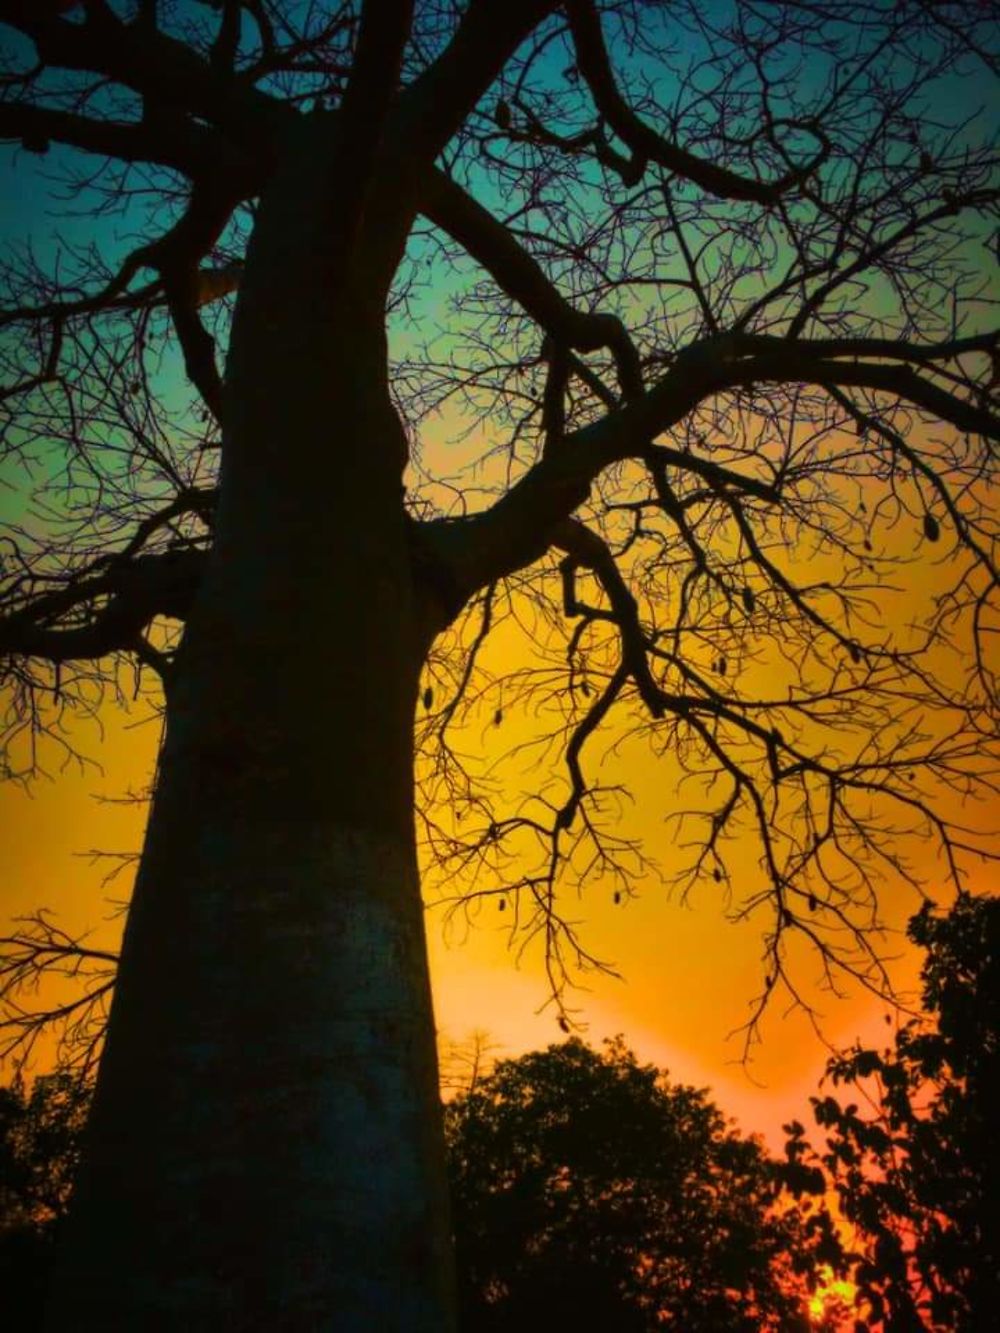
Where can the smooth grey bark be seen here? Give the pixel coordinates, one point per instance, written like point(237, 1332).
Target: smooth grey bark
point(265, 1147)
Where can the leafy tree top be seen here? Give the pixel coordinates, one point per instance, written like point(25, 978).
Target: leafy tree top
point(586, 1182)
point(915, 1160)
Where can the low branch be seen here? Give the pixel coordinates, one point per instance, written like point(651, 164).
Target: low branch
point(104, 613)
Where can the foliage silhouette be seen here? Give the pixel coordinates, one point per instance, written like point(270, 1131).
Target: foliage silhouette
point(40, 1135)
point(586, 1187)
point(916, 1162)
point(582, 1184)
point(717, 370)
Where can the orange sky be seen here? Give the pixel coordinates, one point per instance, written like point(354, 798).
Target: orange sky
point(687, 974)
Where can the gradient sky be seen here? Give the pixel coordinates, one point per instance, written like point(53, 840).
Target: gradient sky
point(687, 975)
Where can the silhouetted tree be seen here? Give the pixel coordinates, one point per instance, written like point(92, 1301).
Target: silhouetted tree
point(588, 1190)
point(40, 1135)
point(701, 289)
point(916, 1161)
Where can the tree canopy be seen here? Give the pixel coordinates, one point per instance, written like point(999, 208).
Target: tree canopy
point(724, 343)
point(585, 1184)
point(915, 1161)
point(40, 1133)
point(407, 372)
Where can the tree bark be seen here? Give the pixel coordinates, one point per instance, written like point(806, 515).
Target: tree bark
point(265, 1146)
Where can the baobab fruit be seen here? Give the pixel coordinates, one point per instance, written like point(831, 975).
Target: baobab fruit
point(428, 697)
point(502, 114)
point(932, 530)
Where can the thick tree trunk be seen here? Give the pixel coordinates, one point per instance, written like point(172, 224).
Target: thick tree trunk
point(265, 1146)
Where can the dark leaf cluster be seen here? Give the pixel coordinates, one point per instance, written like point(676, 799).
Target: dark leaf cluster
point(914, 1158)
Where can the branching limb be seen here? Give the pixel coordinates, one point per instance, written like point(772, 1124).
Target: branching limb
point(102, 613)
point(593, 141)
point(366, 106)
point(553, 398)
point(194, 150)
point(210, 284)
point(34, 956)
point(587, 550)
point(649, 146)
point(520, 526)
point(436, 105)
point(161, 68)
point(518, 274)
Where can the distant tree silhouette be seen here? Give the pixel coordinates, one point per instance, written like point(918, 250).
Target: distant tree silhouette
point(697, 293)
point(590, 1191)
point(915, 1160)
point(40, 1135)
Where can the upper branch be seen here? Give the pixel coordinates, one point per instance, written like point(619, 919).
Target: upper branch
point(368, 99)
point(436, 105)
point(156, 66)
point(646, 144)
point(521, 526)
point(518, 274)
point(194, 150)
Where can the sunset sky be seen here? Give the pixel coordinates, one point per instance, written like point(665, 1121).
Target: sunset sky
point(687, 974)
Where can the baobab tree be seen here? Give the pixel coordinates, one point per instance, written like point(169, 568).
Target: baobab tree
point(704, 292)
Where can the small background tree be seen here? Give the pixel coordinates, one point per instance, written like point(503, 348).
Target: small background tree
point(589, 1190)
point(915, 1162)
point(40, 1133)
